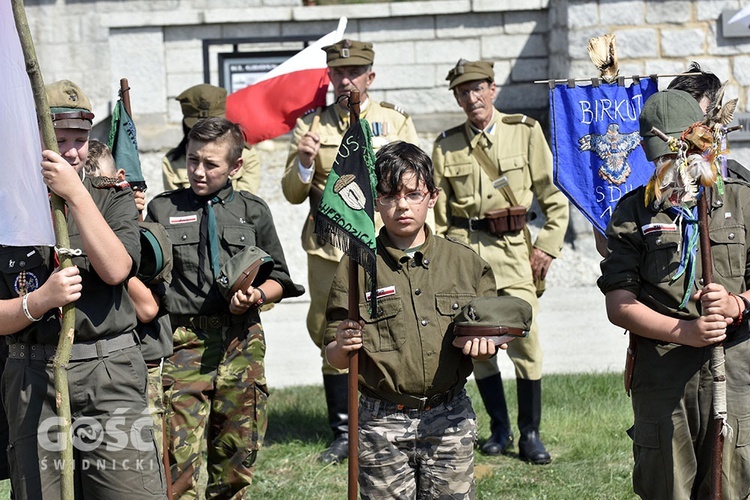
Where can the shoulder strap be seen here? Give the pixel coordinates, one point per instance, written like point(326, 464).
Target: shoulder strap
point(499, 183)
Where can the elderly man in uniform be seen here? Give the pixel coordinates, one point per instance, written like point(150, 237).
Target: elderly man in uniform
point(199, 102)
point(316, 140)
point(490, 168)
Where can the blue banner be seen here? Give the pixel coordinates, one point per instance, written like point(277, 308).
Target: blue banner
point(596, 145)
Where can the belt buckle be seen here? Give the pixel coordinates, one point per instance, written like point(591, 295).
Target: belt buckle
point(214, 321)
point(471, 225)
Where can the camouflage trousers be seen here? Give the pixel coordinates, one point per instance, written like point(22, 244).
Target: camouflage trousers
point(216, 401)
point(155, 398)
point(416, 454)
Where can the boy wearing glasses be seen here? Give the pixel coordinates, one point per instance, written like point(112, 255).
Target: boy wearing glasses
point(490, 168)
point(416, 425)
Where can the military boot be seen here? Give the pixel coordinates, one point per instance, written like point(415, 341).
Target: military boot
point(501, 439)
point(530, 447)
point(337, 398)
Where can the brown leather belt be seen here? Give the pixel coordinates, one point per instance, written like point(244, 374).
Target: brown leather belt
point(212, 321)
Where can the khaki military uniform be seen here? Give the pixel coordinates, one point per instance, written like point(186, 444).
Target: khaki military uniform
point(413, 407)
point(388, 124)
point(215, 384)
point(247, 178)
point(518, 150)
point(671, 386)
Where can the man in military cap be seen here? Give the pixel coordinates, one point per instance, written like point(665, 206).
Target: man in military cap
point(490, 168)
point(106, 373)
point(316, 140)
point(199, 102)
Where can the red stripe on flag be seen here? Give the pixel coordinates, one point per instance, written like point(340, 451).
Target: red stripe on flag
point(270, 108)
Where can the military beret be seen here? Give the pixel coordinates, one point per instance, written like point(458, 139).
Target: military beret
point(349, 53)
point(250, 266)
point(500, 319)
point(468, 71)
point(202, 101)
point(68, 105)
point(156, 254)
point(672, 112)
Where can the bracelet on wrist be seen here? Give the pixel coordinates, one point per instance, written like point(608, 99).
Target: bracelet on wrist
point(262, 299)
point(25, 307)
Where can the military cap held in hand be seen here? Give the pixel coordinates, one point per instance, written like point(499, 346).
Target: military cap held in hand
point(500, 319)
point(469, 71)
point(251, 266)
point(156, 254)
point(68, 105)
point(672, 112)
point(202, 101)
point(349, 53)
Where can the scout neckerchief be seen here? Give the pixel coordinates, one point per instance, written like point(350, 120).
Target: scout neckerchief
point(208, 246)
point(687, 219)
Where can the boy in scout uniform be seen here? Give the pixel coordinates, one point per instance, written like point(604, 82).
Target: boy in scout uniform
point(199, 102)
point(511, 152)
point(313, 149)
point(676, 326)
point(106, 373)
point(215, 385)
point(417, 428)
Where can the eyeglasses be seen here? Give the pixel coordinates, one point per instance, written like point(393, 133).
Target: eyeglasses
point(476, 92)
point(413, 198)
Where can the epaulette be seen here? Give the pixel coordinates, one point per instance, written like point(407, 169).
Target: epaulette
point(251, 196)
point(167, 193)
point(395, 108)
point(515, 119)
point(451, 131)
point(311, 110)
point(454, 240)
point(109, 182)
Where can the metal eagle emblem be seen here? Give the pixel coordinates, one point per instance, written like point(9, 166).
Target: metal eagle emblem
point(613, 148)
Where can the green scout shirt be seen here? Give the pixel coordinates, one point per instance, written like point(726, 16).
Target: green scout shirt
point(247, 178)
point(644, 246)
point(518, 147)
point(103, 310)
point(387, 123)
point(407, 348)
point(243, 219)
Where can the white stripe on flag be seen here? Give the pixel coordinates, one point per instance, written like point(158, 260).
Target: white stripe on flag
point(24, 204)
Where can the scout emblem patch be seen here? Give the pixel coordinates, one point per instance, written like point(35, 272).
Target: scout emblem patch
point(596, 145)
point(26, 282)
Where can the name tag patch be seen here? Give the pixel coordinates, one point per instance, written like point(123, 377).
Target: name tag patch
point(659, 228)
point(382, 292)
point(185, 219)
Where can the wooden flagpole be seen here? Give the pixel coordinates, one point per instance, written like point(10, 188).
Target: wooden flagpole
point(354, 355)
point(67, 328)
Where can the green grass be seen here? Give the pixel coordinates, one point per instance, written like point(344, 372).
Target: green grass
point(583, 427)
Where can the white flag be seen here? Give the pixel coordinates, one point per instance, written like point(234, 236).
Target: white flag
point(24, 203)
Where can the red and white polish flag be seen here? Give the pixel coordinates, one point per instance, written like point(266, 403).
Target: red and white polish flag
point(24, 203)
point(270, 107)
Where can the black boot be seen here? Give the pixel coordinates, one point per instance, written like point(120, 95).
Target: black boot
point(337, 398)
point(501, 440)
point(530, 447)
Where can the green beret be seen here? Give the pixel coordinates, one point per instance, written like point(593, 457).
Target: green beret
point(349, 53)
point(156, 254)
point(500, 319)
point(202, 101)
point(68, 105)
point(672, 112)
point(251, 266)
point(469, 71)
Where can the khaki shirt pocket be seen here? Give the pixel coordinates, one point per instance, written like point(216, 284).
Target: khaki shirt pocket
point(728, 250)
point(185, 239)
point(461, 178)
point(238, 236)
point(662, 258)
point(387, 331)
point(448, 305)
point(514, 168)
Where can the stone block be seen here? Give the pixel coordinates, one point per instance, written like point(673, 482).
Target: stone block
point(583, 15)
point(522, 23)
point(248, 15)
point(578, 42)
point(137, 55)
point(741, 70)
point(446, 51)
point(526, 70)
point(618, 12)
point(638, 42)
point(522, 97)
point(353, 11)
point(710, 10)
point(668, 12)
point(399, 28)
point(404, 76)
point(394, 53)
point(436, 7)
point(421, 101)
point(683, 43)
point(507, 5)
point(469, 25)
point(720, 46)
point(316, 29)
point(513, 46)
point(268, 29)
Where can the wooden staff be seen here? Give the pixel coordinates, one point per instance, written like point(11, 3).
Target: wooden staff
point(67, 328)
point(719, 403)
point(353, 355)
